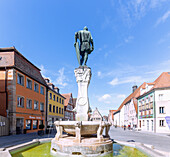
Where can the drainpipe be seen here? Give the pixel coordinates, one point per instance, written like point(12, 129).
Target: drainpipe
point(154, 105)
point(6, 92)
point(46, 115)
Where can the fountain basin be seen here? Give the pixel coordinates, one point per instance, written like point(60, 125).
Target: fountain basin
point(87, 127)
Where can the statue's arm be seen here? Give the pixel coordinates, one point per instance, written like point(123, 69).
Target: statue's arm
point(76, 36)
point(92, 42)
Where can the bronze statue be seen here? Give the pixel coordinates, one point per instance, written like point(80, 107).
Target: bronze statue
point(86, 45)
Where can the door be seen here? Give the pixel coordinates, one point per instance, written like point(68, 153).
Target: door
point(19, 125)
point(152, 124)
point(140, 123)
point(148, 125)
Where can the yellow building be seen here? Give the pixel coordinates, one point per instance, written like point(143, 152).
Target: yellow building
point(55, 107)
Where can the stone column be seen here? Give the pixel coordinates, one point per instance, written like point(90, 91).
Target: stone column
point(83, 76)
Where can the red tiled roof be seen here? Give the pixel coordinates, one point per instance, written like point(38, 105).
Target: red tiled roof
point(67, 96)
point(163, 80)
point(133, 95)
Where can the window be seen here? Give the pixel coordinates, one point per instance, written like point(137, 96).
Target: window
point(42, 90)
point(29, 83)
point(50, 95)
point(41, 106)
point(60, 110)
point(160, 96)
point(53, 109)
point(29, 103)
point(40, 122)
point(54, 97)
point(35, 105)
point(20, 79)
point(62, 101)
point(161, 109)
point(56, 109)
point(36, 87)
point(161, 123)
point(20, 101)
point(143, 123)
point(35, 122)
point(28, 124)
point(57, 99)
point(49, 107)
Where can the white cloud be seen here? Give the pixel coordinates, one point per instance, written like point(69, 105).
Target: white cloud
point(129, 39)
point(104, 97)
point(121, 96)
point(43, 70)
point(163, 18)
point(133, 10)
point(61, 80)
point(114, 82)
point(130, 79)
point(99, 73)
point(164, 39)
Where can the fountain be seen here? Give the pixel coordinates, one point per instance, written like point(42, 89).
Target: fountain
point(83, 137)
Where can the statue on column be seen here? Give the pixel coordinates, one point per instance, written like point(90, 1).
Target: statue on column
point(86, 45)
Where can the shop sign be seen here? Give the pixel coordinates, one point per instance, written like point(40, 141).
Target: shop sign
point(34, 117)
point(167, 118)
point(2, 123)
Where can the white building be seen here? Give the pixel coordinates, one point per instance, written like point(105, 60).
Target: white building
point(111, 117)
point(154, 105)
point(127, 112)
point(96, 116)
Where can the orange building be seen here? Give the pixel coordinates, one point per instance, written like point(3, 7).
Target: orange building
point(23, 92)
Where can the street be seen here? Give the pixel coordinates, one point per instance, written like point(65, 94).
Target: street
point(159, 141)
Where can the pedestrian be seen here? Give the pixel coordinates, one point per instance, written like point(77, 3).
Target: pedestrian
point(124, 127)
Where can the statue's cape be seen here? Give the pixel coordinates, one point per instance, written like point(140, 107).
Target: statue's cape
point(78, 52)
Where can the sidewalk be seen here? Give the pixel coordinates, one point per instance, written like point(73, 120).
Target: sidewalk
point(7, 141)
point(158, 134)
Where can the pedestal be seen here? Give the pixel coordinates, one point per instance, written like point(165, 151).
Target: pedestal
point(83, 76)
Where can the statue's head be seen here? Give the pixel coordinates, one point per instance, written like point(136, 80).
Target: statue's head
point(85, 28)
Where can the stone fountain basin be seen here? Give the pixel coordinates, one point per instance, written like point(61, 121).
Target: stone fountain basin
point(87, 127)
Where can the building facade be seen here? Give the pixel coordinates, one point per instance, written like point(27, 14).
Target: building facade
point(55, 107)
point(96, 115)
point(153, 105)
point(126, 115)
point(111, 116)
point(24, 95)
point(69, 114)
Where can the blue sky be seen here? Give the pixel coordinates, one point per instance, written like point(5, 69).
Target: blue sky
point(131, 42)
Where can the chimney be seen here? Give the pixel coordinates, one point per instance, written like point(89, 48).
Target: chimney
point(57, 89)
point(134, 88)
point(47, 80)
